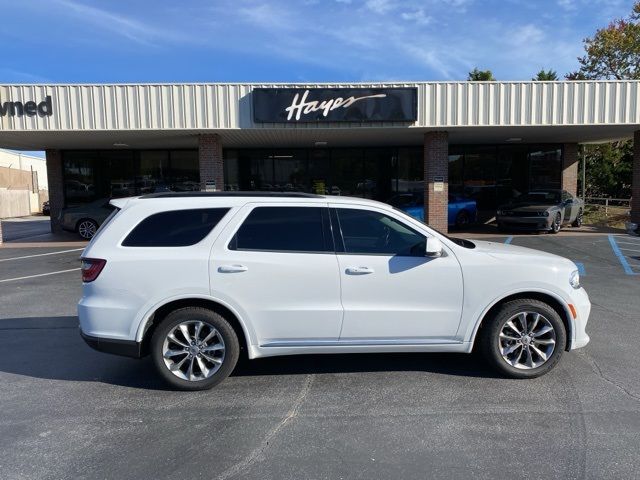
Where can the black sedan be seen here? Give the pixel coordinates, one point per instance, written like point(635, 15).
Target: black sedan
point(541, 210)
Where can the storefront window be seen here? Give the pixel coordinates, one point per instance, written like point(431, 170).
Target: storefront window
point(545, 168)
point(347, 171)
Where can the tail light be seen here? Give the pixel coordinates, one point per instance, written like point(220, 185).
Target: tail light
point(91, 268)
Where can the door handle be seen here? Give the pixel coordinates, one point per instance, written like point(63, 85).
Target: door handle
point(359, 270)
point(232, 268)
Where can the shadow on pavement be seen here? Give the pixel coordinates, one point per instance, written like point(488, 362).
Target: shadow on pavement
point(51, 348)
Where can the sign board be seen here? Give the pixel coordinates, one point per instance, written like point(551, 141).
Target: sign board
point(311, 105)
point(438, 184)
point(210, 186)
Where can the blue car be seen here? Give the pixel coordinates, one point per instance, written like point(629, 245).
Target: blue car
point(462, 211)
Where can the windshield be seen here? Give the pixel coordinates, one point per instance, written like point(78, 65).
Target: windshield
point(546, 197)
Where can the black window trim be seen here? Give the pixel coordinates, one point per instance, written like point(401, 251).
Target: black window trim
point(128, 232)
point(327, 234)
point(335, 217)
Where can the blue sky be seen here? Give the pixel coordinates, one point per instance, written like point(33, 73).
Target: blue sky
point(289, 40)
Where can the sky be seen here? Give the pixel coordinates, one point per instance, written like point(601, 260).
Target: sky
point(85, 41)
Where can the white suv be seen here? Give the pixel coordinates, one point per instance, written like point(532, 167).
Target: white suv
point(194, 278)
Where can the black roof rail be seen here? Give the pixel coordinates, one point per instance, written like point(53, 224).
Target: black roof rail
point(231, 194)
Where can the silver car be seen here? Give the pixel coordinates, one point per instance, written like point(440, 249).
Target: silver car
point(85, 219)
point(541, 210)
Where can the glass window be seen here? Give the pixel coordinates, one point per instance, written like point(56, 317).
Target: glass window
point(153, 172)
point(372, 233)
point(176, 228)
point(184, 174)
point(286, 229)
point(347, 172)
point(545, 168)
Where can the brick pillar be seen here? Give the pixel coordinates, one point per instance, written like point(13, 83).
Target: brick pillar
point(436, 164)
point(56, 187)
point(635, 180)
point(570, 168)
point(211, 163)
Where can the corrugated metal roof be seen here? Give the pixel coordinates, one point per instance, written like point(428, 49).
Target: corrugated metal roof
point(129, 107)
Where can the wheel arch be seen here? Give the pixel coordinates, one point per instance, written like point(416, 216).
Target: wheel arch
point(153, 319)
point(554, 301)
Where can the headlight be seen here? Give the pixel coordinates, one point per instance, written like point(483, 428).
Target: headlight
point(574, 279)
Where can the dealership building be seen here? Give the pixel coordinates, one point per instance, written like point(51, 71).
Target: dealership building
point(424, 142)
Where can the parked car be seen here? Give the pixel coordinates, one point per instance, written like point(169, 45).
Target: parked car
point(193, 279)
point(541, 210)
point(46, 209)
point(462, 211)
point(86, 219)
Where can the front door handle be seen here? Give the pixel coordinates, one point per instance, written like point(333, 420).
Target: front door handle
point(359, 270)
point(232, 268)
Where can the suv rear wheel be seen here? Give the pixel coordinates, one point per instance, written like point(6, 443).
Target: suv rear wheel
point(194, 348)
point(525, 338)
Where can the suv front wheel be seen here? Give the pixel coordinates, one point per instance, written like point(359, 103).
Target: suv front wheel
point(194, 348)
point(525, 338)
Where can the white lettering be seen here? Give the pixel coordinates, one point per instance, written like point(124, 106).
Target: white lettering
point(300, 106)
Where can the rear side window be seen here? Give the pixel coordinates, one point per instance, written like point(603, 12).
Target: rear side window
point(177, 228)
point(285, 229)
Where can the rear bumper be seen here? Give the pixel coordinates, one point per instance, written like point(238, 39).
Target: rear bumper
point(125, 348)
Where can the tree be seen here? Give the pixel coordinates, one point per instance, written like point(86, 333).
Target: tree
point(546, 75)
point(476, 75)
point(614, 51)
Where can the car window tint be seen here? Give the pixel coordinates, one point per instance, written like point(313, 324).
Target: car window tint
point(289, 229)
point(369, 232)
point(176, 228)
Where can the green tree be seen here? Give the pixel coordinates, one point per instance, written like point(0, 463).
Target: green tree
point(546, 75)
point(609, 169)
point(614, 51)
point(476, 75)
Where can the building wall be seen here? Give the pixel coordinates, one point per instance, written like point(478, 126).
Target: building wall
point(228, 106)
point(20, 161)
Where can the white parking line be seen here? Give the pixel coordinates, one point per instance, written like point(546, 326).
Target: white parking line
point(41, 254)
point(39, 275)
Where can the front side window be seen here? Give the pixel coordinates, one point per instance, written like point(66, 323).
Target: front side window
point(284, 229)
point(176, 228)
point(368, 232)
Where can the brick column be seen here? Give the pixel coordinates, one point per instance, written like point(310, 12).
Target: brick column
point(570, 168)
point(635, 181)
point(211, 163)
point(436, 164)
point(56, 187)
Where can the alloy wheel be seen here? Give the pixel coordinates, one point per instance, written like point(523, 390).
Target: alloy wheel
point(527, 340)
point(87, 229)
point(557, 223)
point(193, 350)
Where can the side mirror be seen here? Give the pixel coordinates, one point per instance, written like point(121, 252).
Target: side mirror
point(434, 247)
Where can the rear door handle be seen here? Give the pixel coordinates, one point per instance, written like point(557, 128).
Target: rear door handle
point(359, 270)
point(232, 268)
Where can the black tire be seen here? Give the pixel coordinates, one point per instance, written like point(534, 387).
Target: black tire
point(578, 221)
point(463, 219)
point(84, 226)
point(209, 318)
point(489, 337)
point(556, 225)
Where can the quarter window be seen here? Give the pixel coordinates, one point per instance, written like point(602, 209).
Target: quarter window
point(368, 232)
point(286, 229)
point(176, 228)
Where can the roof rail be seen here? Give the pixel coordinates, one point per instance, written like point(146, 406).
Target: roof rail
point(231, 194)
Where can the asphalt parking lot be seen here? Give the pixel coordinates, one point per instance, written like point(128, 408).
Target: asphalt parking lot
point(71, 412)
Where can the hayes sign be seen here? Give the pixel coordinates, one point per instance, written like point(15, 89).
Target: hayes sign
point(30, 108)
point(297, 105)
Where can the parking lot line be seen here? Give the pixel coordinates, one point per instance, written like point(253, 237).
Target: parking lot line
point(39, 275)
point(581, 270)
point(40, 254)
point(618, 253)
point(508, 240)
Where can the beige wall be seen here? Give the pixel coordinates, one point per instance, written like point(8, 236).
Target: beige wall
point(27, 163)
point(15, 203)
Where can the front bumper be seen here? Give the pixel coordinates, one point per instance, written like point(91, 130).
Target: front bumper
point(126, 348)
point(581, 302)
point(525, 223)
